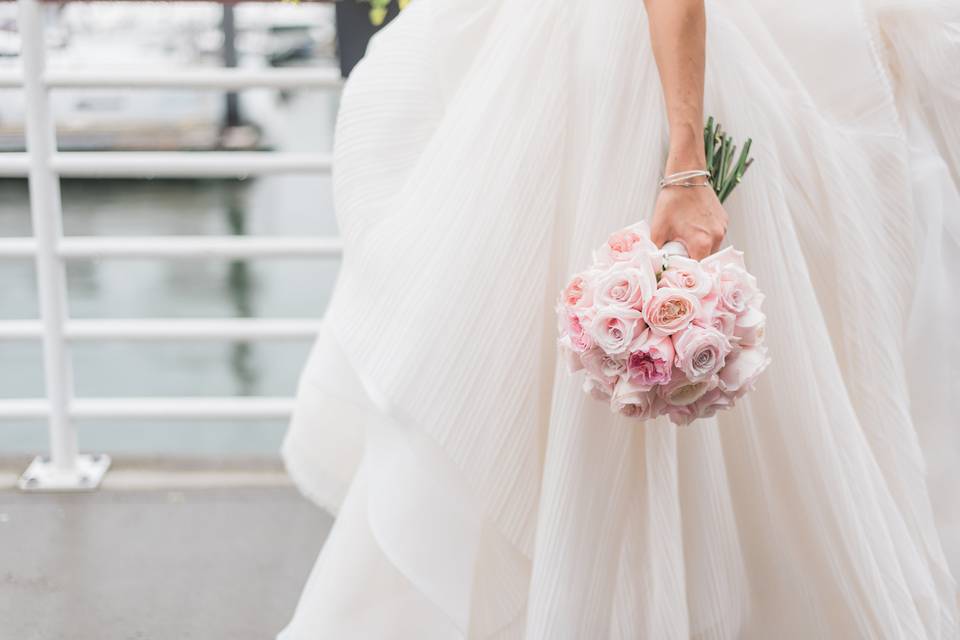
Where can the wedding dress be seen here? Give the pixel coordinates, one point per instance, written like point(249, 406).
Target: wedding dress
point(483, 148)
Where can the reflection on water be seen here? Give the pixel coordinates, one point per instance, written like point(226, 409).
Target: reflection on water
point(238, 284)
point(148, 288)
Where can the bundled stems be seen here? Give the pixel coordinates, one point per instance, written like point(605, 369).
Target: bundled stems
point(725, 174)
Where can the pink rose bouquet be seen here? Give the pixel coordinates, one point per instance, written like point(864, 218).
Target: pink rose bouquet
point(658, 334)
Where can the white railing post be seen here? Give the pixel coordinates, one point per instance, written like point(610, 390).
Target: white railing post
point(65, 468)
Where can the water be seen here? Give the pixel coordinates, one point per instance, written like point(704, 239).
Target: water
point(120, 288)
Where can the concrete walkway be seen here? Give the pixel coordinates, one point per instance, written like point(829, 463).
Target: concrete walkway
point(170, 556)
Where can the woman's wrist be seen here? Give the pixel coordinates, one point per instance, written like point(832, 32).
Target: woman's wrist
point(686, 149)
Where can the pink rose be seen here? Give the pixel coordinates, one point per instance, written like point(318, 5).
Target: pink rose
point(597, 388)
point(573, 328)
point(723, 321)
point(573, 292)
point(634, 401)
point(749, 327)
point(742, 368)
point(680, 392)
point(626, 284)
point(650, 360)
point(737, 288)
point(614, 328)
point(718, 260)
point(681, 415)
point(670, 310)
point(612, 366)
point(700, 352)
point(684, 273)
point(709, 403)
point(626, 244)
point(597, 382)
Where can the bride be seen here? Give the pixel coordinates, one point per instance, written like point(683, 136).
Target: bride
point(483, 148)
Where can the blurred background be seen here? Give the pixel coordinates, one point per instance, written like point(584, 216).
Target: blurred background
point(195, 530)
point(164, 36)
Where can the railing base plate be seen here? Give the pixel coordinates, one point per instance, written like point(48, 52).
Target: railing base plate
point(42, 475)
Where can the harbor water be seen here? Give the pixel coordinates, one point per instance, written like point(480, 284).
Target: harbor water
point(195, 288)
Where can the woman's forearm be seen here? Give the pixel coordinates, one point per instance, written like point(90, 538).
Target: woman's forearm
point(678, 38)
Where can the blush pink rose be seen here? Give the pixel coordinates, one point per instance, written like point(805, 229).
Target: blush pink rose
point(573, 292)
point(742, 369)
point(680, 392)
point(650, 361)
point(700, 352)
point(737, 288)
point(670, 310)
point(612, 366)
point(750, 326)
point(573, 328)
point(578, 293)
point(597, 382)
point(627, 244)
point(614, 328)
point(626, 284)
point(723, 321)
point(720, 259)
point(598, 388)
point(684, 273)
point(710, 403)
point(681, 415)
point(634, 401)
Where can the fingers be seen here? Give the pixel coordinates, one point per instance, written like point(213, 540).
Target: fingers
point(699, 246)
point(658, 234)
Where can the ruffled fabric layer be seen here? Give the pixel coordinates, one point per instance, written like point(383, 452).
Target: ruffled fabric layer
point(482, 150)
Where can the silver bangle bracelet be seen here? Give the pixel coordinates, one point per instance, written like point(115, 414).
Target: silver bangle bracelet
point(684, 179)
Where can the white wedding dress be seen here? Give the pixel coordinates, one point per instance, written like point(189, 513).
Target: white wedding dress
point(483, 148)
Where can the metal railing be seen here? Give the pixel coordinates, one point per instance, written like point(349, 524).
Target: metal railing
point(65, 468)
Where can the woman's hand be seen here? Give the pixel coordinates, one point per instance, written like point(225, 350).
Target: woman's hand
point(692, 215)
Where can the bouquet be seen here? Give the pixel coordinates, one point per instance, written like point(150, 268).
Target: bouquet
point(662, 334)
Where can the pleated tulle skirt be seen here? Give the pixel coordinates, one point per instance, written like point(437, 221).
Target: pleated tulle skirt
point(482, 149)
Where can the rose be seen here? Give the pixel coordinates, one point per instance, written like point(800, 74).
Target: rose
point(597, 388)
point(626, 244)
point(573, 292)
point(626, 284)
point(750, 326)
point(742, 368)
point(718, 260)
point(680, 392)
point(612, 367)
point(709, 403)
point(650, 360)
point(614, 328)
point(737, 288)
point(723, 321)
point(571, 326)
point(670, 310)
point(597, 382)
point(578, 293)
point(684, 273)
point(700, 352)
point(634, 401)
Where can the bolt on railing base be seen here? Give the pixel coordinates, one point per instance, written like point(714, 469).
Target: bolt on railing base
point(42, 475)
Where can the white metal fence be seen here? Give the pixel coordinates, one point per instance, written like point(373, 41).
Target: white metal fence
point(65, 468)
